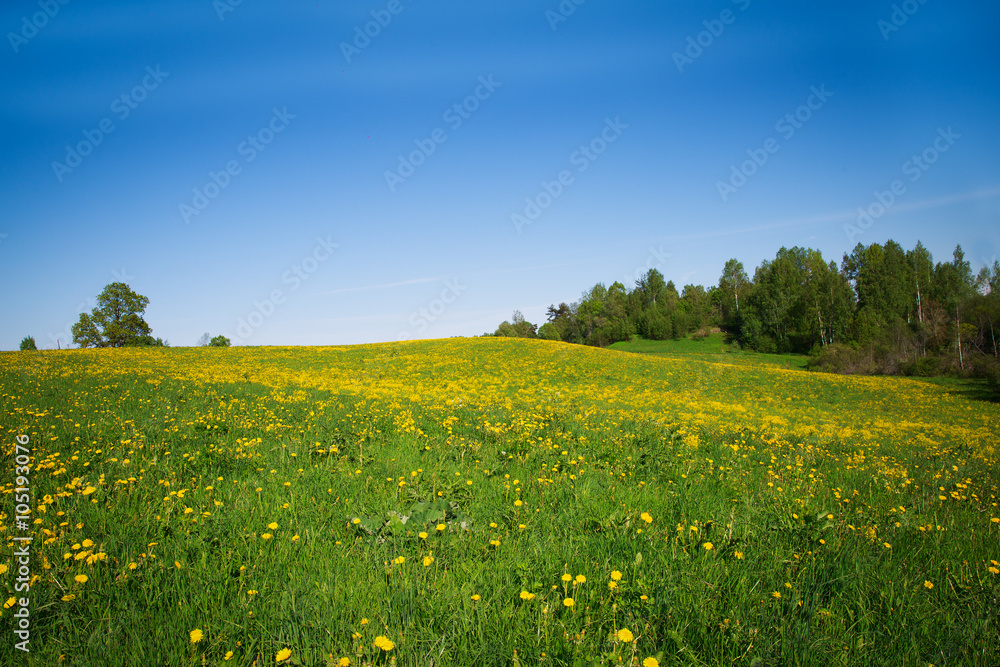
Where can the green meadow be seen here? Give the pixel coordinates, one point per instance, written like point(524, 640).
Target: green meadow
point(494, 502)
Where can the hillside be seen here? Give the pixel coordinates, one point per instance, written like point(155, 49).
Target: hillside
point(530, 501)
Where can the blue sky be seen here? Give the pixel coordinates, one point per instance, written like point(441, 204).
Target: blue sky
point(230, 161)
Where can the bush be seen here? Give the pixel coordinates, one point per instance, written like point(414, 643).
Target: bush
point(923, 367)
point(28, 343)
point(220, 341)
point(835, 358)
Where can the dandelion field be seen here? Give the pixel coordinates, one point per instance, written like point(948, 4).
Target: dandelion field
point(495, 501)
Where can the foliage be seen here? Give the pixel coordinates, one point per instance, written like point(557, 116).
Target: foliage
point(220, 341)
point(28, 343)
point(885, 310)
point(518, 328)
point(116, 321)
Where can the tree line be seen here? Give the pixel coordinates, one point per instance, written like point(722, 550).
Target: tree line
point(883, 310)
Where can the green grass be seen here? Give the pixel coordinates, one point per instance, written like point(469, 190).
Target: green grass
point(712, 348)
point(734, 518)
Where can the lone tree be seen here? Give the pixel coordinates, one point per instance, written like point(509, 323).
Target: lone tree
point(28, 343)
point(116, 321)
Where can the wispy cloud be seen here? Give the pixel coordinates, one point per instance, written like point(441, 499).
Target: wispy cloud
point(947, 200)
point(365, 288)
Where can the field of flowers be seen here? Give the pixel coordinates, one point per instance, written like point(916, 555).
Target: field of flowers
point(492, 502)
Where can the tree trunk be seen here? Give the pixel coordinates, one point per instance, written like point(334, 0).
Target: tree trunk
point(822, 332)
point(994, 337)
point(920, 311)
point(958, 337)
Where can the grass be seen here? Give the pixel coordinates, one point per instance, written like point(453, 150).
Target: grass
point(711, 348)
point(276, 499)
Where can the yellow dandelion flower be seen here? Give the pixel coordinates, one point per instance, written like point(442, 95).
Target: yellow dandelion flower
point(616, 575)
point(440, 527)
point(81, 578)
point(11, 601)
point(645, 516)
point(567, 577)
point(422, 535)
point(428, 560)
point(625, 635)
point(228, 656)
point(3, 569)
point(568, 602)
point(525, 595)
point(928, 585)
point(67, 598)
point(612, 585)
point(580, 579)
point(266, 536)
point(344, 662)
point(87, 544)
point(476, 598)
point(776, 594)
point(274, 526)
point(384, 643)
point(518, 503)
point(196, 636)
point(994, 570)
point(708, 546)
point(283, 654)
point(650, 662)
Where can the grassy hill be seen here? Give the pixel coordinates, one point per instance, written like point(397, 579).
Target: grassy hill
point(496, 501)
point(711, 348)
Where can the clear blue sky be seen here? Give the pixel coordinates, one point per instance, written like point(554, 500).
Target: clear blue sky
point(309, 129)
